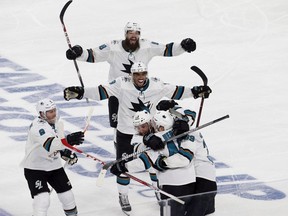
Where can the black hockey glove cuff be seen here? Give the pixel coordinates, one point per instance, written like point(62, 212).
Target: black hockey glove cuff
point(73, 92)
point(68, 156)
point(153, 142)
point(201, 91)
point(76, 138)
point(118, 168)
point(180, 126)
point(75, 52)
point(188, 45)
point(166, 104)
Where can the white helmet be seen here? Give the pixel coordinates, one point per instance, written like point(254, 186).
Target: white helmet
point(141, 117)
point(45, 105)
point(131, 26)
point(138, 67)
point(164, 119)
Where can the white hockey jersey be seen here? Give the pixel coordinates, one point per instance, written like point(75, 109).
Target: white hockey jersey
point(179, 161)
point(204, 166)
point(41, 150)
point(132, 99)
point(121, 61)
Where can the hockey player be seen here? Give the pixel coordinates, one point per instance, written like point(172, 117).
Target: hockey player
point(135, 93)
point(142, 125)
point(121, 54)
point(206, 186)
point(176, 173)
point(42, 161)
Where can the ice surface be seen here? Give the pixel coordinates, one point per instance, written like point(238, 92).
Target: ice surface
point(242, 46)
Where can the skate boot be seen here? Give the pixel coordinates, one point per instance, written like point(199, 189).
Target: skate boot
point(124, 202)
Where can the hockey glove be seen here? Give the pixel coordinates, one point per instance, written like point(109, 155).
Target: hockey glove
point(118, 168)
point(76, 138)
point(201, 91)
point(68, 156)
point(160, 163)
point(188, 45)
point(153, 142)
point(180, 126)
point(73, 92)
point(74, 52)
point(166, 104)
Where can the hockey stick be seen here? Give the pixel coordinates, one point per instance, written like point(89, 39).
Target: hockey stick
point(65, 143)
point(68, 41)
point(198, 128)
point(108, 165)
point(60, 127)
point(205, 81)
point(88, 118)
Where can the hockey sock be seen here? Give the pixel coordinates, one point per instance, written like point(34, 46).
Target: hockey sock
point(68, 203)
point(41, 204)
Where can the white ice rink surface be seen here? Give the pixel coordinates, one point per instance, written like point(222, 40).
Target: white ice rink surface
point(242, 46)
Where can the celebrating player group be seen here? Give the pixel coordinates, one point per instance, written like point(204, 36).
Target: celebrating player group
point(145, 115)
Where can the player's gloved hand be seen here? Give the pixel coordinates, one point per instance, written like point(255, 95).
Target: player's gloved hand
point(188, 45)
point(166, 104)
point(73, 92)
point(74, 52)
point(68, 156)
point(201, 91)
point(76, 138)
point(180, 126)
point(118, 168)
point(160, 163)
point(153, 142)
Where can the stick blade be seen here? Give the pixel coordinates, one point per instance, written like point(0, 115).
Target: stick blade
point(101, 177)
point(64, 10)
point(200, 73)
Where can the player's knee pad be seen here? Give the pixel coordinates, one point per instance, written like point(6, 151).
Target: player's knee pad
point(68, 202)
point(41, 204)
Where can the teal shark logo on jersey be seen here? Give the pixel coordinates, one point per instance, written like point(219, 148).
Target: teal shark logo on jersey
point(140, 106)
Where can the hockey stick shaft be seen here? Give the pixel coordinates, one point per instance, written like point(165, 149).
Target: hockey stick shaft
point(65, 143)
point(107, 165)
point(68, 41)
point(154, 188)
point(198, 128)
point(205, 82)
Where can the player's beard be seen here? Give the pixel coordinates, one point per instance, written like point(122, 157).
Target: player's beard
point(131, 47)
